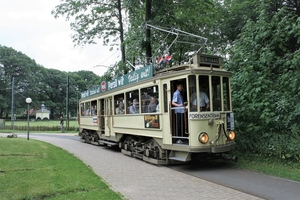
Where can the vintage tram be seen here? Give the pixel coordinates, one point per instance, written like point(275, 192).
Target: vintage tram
point(135, 112)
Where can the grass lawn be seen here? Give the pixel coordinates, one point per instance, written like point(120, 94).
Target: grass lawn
point(31, 169)
point(269, 166)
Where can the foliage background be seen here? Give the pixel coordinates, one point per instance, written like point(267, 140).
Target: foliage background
point(42, 85)
point(265, 62)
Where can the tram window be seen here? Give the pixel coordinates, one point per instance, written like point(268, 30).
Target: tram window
point(133, 99)
point(101, 109)
point(149, 99)
point(165, 88)
point(94, 108)
point(226, 93)
point(204, 93)
point(174, 85)
point(87, 107)
point(193, 93)
point(82, 112)
point(216, 92)
point(119, 104)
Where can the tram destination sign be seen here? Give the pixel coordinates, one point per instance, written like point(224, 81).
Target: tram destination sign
point(132, 77)
point(213, 115)
point(209, 59)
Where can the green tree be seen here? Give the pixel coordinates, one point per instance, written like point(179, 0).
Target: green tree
point(53, 90)
point(94, 19)
point(266, 81)
point(14, 64)
point(42, 85)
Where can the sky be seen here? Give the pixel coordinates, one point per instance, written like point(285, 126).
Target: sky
point(29, 27)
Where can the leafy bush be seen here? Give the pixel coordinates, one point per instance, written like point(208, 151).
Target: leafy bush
point(266, 82)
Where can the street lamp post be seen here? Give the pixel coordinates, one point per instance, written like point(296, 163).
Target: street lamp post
point(28, 101)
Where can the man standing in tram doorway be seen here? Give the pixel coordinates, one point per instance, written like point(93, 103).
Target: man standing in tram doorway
point(62, 124)
point(177, 101)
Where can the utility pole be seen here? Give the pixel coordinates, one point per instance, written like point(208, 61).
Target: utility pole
point(67, 103)
point(12, 104)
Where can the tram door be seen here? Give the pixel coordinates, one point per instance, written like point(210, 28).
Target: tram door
point(179, 114)
point(108, 116)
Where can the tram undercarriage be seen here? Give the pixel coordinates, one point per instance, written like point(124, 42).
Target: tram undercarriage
point(89, 137)
point(146, 149)
point(149, 150)
point(143, 148)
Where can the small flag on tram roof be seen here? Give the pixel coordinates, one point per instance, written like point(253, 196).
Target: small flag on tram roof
point(168, 58)
point(160, 60)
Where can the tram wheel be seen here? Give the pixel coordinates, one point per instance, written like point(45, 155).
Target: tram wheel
point(153, 150)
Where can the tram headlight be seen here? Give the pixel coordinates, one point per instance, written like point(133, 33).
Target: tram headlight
point(231, 135)
point(203, 138)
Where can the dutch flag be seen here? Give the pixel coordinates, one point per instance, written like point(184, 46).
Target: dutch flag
point(160, 60)
point(168, 58)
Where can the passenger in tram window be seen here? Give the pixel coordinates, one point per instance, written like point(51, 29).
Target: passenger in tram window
point(177, 101)
point(157, 107)
point(87, 112)
point(120, 110)
point(144, 106)
point(94, 110)
point(135, 107)
point(194, 101)
point(152, 105)
point(204, 101)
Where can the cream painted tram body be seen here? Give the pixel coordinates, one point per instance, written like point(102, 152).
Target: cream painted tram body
point(153, 135)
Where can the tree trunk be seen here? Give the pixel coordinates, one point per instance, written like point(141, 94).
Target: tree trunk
point(122, 36)
point(1, 113)
point(148, 33)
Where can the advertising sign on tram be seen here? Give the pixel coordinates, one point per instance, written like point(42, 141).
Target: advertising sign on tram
point(132, 77)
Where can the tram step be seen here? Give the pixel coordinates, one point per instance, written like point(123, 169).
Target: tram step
point(178, 159)
point(155, 161)
point(110, 144)
point(180, 156)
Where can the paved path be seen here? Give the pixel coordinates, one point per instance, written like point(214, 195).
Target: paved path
point(137, 180)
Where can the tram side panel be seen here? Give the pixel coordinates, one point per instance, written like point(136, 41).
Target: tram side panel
point(90, 123)
point(147, 125)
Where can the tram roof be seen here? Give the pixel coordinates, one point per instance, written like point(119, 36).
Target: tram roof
point(200, 61)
